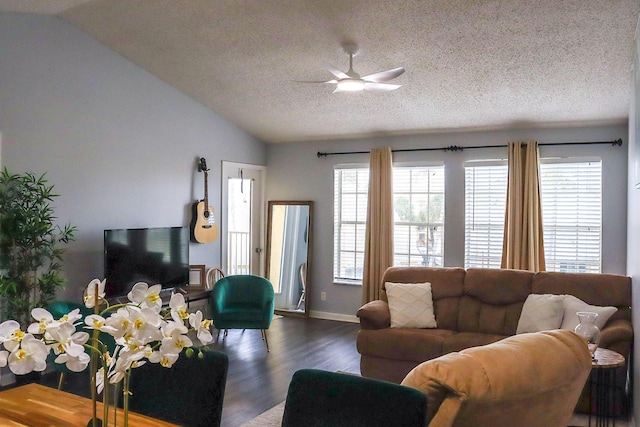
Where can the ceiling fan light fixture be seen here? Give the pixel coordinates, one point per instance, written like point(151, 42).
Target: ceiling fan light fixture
point(350, 85)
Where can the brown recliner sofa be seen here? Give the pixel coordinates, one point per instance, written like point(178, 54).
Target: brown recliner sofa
point(531, 379)
point(478, 306)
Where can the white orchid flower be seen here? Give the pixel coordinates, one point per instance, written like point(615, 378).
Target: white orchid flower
point(175, 342)
point(146, 325)
point(90, 294)
point(100, 380)
point(166, 360)
point(72, 317)
point(146, 296)
point(4, 356)
point(179, 308)
point(74, 363)
point(169, 327)
point(31, 356)
point(201, 326)
point(121, 322)
point(127, 358)
point(68, 340)
point(11, 335)
point(95, 321)
point(43, 318)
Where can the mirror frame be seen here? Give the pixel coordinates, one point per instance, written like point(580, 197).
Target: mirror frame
point(270, 206)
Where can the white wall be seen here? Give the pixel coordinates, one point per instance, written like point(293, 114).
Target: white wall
point(119, 145)
point(296, 173)
point(633, 232)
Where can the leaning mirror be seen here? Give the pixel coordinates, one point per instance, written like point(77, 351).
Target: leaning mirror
point(288, 254)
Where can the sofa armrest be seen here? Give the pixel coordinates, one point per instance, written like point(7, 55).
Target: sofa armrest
point(374, 315)
point(617, 335)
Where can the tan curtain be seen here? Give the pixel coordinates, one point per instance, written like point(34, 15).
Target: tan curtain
point(523, 246)
point(378, 252)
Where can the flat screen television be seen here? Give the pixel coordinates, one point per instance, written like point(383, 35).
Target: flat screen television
point(150, 255)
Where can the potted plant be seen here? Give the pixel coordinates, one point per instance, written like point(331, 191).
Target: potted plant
point(30, 252)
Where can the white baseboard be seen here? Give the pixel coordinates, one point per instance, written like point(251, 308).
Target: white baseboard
point(334, 316)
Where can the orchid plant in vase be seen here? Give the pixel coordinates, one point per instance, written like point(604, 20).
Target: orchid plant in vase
point(142, 331)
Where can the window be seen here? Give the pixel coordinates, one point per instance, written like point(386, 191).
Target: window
point(351, 186)
point(419, 219)
point(485, 200)
point(418, 233)
point(571, 214)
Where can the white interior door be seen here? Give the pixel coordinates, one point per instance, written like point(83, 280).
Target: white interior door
point(243, 225)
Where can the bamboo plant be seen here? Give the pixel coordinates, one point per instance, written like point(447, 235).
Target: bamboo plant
point(30, 245)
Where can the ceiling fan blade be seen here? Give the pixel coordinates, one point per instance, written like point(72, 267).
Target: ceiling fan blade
point(384, 76)
point(384, 87)
point(339, 74)
point(317, 81)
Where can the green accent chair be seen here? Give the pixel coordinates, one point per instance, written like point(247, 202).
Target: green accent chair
point(242, 302)
point(319, 399)
point(190, 393)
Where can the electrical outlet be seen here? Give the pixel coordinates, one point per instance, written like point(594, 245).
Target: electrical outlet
point(323, 296)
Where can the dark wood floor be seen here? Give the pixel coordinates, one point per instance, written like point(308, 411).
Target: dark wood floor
point(258, 380)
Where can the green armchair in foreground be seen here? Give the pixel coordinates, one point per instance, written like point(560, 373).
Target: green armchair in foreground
point(242, 302)
point(320, 398)
point(190, 393)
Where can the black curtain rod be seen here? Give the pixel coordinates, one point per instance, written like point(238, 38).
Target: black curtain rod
point(617, 142)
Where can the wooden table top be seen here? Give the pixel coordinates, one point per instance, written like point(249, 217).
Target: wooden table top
point(34, 405)
point(607, 359)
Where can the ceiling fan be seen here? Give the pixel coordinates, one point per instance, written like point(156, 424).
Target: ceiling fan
point(352, 82)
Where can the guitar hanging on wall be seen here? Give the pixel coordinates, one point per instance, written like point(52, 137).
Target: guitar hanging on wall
point(204, 228)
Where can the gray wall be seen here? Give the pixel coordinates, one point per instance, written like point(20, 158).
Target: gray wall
point(119, 145)
point(296, 173)
point(633, 228)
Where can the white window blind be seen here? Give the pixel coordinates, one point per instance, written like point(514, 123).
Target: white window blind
point(485, 200)
point(349, 220)
point(572, 215)
point(571, 193)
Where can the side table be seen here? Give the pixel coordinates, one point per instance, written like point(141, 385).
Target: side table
point(604, 364)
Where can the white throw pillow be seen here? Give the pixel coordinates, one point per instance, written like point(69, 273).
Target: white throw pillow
point(541, 312)
point(410, 305)
point(572, 305)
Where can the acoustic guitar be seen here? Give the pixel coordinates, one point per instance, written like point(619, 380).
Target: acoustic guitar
point(204, 228)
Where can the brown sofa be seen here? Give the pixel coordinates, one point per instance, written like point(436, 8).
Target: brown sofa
point(477, 307)
point(531, 379)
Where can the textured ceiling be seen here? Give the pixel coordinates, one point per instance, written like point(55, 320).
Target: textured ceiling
point(470, 64)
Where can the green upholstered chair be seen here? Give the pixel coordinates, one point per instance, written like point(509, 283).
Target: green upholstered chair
point(242, 302)
point(190, 393)
point(320, 398)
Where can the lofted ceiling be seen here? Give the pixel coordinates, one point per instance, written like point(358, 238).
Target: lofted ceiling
point(470, 64)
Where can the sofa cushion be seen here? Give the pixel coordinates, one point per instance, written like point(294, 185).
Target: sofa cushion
point(572, 305)
point(462, 340)
point(541, 313)
point(493, 300)
point(498, 286)
point(416, 345)
point(410, 305)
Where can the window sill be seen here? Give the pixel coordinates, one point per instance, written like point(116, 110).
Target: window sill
point(347, 282)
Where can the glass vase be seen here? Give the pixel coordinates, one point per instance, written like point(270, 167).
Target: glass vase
point(588, 330)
